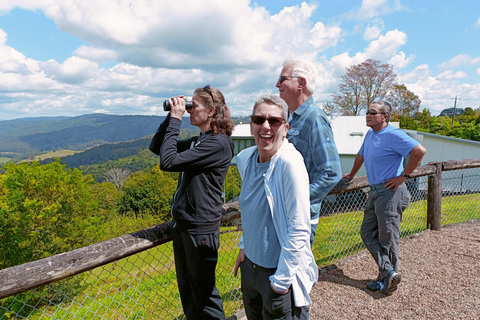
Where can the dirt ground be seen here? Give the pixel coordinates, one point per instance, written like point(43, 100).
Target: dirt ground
point(440, 280)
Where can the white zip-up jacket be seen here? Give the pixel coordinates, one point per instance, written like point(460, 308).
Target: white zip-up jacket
point(287, 191)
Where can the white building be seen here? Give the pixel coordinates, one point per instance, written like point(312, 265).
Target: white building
point(349, 133)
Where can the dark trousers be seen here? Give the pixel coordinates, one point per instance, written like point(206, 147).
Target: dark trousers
point(195, 261)
point(260, 301)
point(380, 229)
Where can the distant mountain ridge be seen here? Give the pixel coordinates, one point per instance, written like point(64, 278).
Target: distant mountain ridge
point(20, 138)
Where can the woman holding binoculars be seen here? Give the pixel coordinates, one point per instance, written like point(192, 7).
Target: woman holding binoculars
point(203, 162)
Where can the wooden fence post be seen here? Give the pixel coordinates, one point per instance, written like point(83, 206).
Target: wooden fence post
point(434, 198)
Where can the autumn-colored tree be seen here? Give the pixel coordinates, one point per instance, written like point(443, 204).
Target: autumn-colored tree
point(404, 102)
point(362, 84)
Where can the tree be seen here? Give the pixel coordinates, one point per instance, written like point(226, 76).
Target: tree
point(404, 102)
point(45, 210)
point(330, 109)
point(117, 177)
point(362, 84)
point(149, 193)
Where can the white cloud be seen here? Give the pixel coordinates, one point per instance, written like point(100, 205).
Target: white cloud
point(374, 29)
point(458, 61)
point(449, 75)
point(323, 37)
point(386, 46)
point(436, 92)
point(19, 73)
point(99, 55)
point(477, 24)
point(400, 60)
point(74, 70)
point(374, 8)
point(7, 5)
point(156, 49)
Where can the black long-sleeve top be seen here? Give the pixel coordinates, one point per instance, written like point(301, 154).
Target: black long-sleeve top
point(203, 164)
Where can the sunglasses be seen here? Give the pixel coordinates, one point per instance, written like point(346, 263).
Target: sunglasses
point(282, 79)
point(374, 112)
point(209, 91)
point(272, 121)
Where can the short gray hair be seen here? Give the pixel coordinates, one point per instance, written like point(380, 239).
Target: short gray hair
point(385, 107)
point(304, 69)
point(272, 100)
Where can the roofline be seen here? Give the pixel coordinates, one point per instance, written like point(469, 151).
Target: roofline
point(438, 136)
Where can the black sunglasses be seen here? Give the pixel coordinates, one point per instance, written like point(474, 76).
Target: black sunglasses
point(209, 91)
point(374, 112)
point(282, 79)
point(272, 121)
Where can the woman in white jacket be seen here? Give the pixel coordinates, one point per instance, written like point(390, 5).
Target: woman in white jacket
point(276, 261)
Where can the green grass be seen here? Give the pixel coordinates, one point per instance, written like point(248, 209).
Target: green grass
point(55, 154)
point(143, 282)
point(4, 160)
point(146, 282)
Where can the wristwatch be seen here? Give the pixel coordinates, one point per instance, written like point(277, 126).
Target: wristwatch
point(403, 174)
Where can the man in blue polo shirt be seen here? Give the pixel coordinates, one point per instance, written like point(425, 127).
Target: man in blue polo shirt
point(310, 132)
point(382, 152)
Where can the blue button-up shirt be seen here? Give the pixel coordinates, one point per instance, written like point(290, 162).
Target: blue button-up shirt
point(311, 133)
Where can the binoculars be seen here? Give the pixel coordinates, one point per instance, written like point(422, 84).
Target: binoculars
point(166, 105)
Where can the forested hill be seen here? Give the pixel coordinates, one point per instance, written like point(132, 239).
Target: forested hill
point(31, 136)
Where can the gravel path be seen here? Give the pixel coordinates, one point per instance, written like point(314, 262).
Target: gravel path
point(440, 280)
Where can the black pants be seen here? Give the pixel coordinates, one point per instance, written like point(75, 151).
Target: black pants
point(195, 262)
point(260, 301)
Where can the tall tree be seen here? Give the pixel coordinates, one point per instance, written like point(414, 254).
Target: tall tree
point(404, 102)
point(362, 84)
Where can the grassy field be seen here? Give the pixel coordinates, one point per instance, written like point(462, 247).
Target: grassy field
point(4, 160)
point(144, 285)
point(55, 154)
point(43, 156)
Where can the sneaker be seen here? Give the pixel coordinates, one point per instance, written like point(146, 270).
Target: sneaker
point(376, 285)
point(391, 282)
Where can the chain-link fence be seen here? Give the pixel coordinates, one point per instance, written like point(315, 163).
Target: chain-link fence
point(143, 285)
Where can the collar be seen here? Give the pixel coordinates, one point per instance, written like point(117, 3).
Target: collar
point(304, 106)
point(202, 136)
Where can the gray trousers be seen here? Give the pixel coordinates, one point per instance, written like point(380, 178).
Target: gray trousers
point(380, 229)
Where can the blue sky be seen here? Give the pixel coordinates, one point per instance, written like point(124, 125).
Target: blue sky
point(66, 58)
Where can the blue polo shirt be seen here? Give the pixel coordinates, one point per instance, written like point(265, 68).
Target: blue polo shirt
point(383, 153)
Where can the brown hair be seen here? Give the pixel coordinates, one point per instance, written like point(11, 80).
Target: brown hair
point(221, 121)
point(210, 95)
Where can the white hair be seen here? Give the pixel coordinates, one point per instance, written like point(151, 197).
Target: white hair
point(273, 100)
point(304, 69)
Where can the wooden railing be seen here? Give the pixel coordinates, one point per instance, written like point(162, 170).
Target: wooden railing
point(30, 275)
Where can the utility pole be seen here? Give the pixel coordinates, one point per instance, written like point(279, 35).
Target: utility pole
point(454, 108)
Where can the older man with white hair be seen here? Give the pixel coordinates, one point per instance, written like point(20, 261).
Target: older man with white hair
point(310, 132)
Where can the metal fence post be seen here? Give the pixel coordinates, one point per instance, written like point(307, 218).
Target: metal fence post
point(434, 198)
